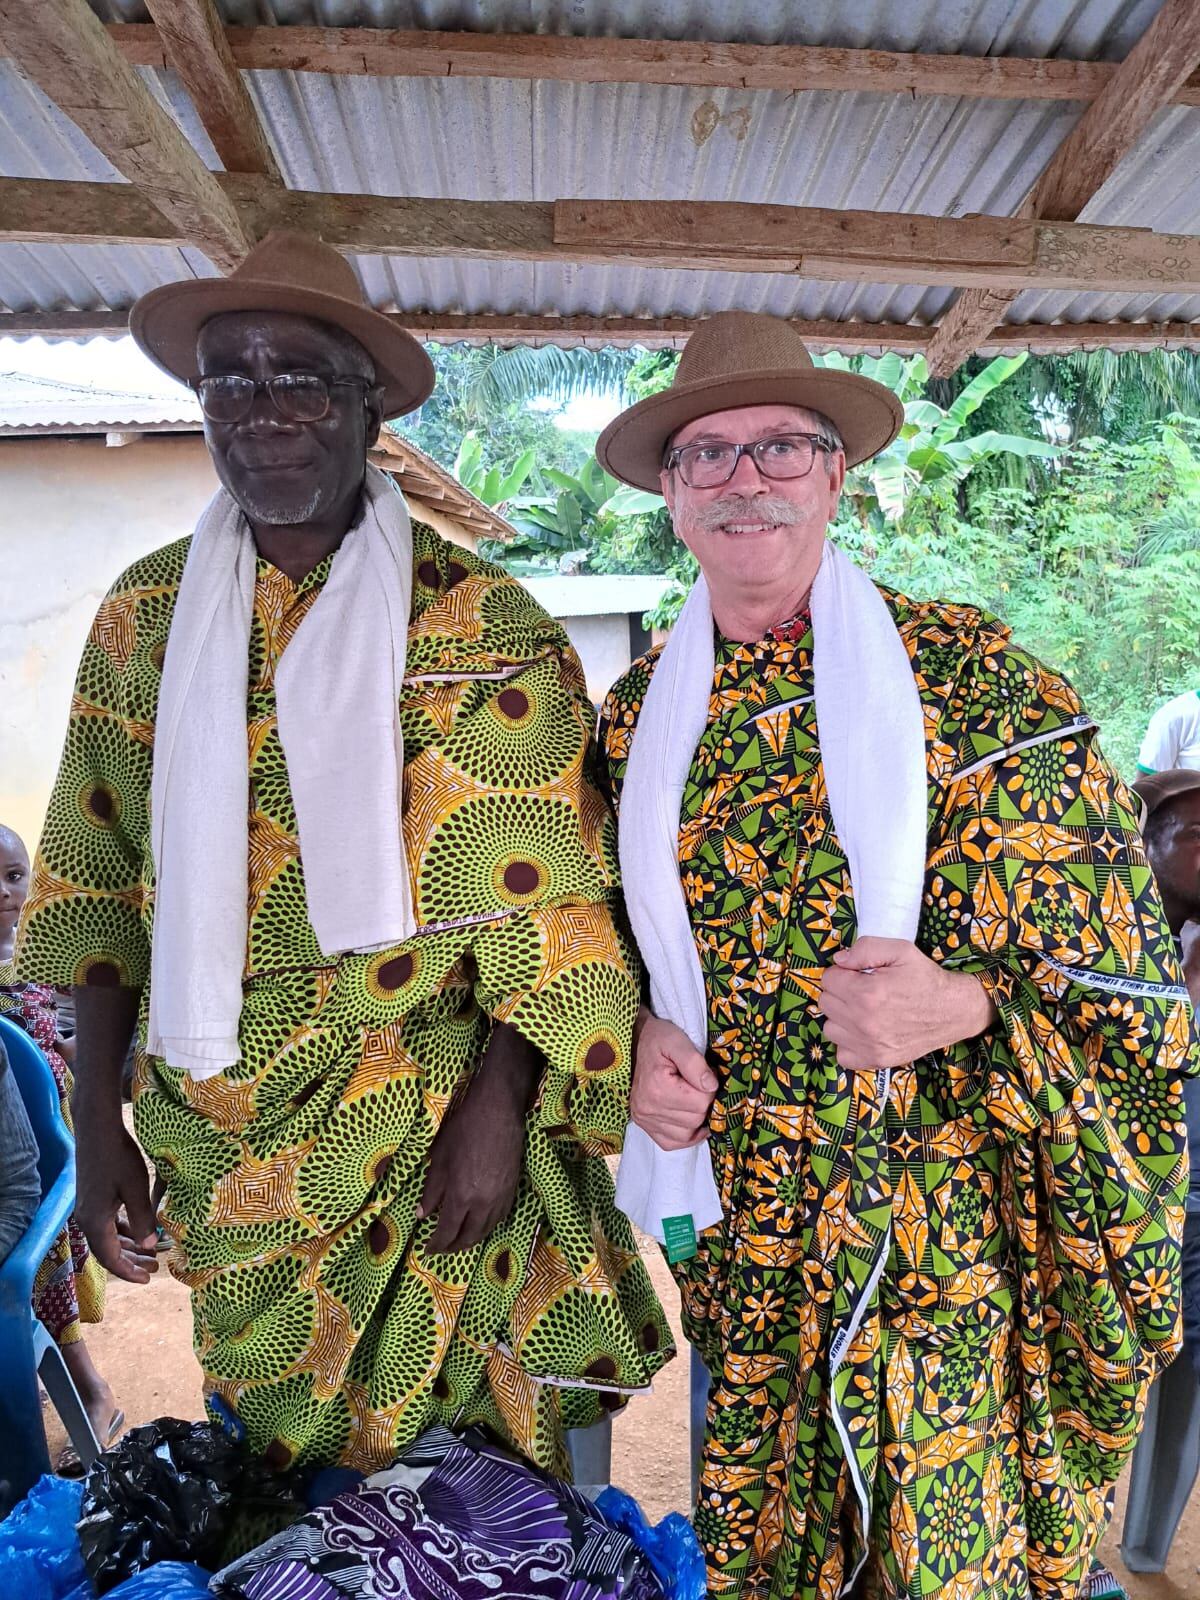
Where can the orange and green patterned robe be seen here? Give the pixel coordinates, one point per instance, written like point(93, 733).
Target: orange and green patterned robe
point(987, 1258)
point(325, 1331)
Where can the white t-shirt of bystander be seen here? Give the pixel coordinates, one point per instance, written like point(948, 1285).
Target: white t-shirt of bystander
point(1173, 737)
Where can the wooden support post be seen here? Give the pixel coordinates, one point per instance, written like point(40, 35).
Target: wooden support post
point(195, 44)
point(1163, 59)
point(65, 49)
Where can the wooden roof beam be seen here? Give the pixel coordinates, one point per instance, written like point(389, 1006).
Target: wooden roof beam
point(195, 44)
point(391, 53)
point(843, 246)
point(67, 52)
point(446, 327)
point(1147, 80)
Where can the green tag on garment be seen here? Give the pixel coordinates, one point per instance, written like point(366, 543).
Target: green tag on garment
point(680, 1235)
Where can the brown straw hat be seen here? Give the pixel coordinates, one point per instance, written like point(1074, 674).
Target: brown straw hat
point(284, 272)
point(1156, 789)
point(742, 358)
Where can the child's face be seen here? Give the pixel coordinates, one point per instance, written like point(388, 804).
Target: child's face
point(14, 883)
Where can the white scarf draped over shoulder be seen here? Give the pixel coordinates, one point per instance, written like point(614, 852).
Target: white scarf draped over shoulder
point(338, 702)
point(872, 744)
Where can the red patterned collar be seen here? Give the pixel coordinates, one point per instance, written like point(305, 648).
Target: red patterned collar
point(793, 629)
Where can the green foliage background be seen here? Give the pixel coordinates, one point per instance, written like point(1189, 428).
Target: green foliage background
point(1062, 494)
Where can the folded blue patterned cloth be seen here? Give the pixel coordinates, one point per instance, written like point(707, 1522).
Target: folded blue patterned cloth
point(454, 1516)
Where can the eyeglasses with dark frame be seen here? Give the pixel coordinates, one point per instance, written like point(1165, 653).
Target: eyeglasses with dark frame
point(708, 464)
point(298, 396)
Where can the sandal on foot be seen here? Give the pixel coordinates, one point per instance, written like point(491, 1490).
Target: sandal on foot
point(69, 1465)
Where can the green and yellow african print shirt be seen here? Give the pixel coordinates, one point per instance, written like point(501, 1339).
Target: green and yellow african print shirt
point(325, 1330)
point(987, 1256)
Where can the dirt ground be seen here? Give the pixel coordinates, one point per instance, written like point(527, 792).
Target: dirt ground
point(144, 1349)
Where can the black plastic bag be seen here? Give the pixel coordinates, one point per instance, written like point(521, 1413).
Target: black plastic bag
point(170, 1491)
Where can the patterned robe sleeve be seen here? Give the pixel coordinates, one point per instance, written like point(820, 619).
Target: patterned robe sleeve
point(563, 973)
point(1038, 882)
point(82, 922)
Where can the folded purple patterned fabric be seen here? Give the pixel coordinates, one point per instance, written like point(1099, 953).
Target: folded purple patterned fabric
point(455, 1518)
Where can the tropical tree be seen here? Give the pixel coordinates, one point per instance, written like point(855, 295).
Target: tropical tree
point(933, 450)
point(495, 486)
point(561, 514)
point(515, 376)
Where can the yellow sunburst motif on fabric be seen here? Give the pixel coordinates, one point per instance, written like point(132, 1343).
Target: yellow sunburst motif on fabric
point(115, 627)
point(433, 789)
point(271, 850)
point(457, 613)
point(384, 1059)
point(263, 1190)
point(328, 1352)
point(546, 1278)
point(566, 931)
point(373, 1429)
point(226, 1101)
point(517, 1396)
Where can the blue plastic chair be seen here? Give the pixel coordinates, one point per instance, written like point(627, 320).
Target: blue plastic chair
point(26, 1349)
point(1166, 1465)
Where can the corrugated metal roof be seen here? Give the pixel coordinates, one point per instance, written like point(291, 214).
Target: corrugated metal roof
point(31, 405)
point(493, 139)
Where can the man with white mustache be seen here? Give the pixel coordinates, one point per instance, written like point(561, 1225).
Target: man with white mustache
point(906, 1110)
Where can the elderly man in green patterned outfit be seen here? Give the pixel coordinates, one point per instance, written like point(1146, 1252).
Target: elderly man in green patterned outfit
point(913, 1062)
point(325, 815)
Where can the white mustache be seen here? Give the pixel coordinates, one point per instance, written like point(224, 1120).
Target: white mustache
point(734, 508)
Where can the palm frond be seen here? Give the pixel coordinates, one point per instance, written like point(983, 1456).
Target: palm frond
point(524, 373)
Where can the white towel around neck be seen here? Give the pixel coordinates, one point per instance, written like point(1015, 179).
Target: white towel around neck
point(337, 692)
point(872, 743)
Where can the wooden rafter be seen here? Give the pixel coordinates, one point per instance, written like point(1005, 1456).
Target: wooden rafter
point(443, 327)
point(1147, 80)
point(195, 45)
point(857, 246)
point(67, 52)
point(391, 53)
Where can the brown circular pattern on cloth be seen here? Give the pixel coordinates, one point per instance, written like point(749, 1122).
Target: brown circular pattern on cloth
point(455, 573)
point(101, 803)
point(379, 1237)
point(102, 975)
point(513, 702)
point(600, 1056)
point(304, 1095)
point(441, 1388)
point(603, 1370)
point(522, 877)
point(428, 574)
point(394, 974)
point(278, 1455)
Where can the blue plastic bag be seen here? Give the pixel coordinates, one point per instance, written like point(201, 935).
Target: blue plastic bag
point(40, 1557)
point(166, 1580)
point(671, 1547)
point(39, 1550)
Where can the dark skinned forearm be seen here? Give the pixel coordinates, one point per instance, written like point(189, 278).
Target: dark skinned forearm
point(510, 1066)
point(104, 1024)
point(112, 1197)
point(475, 1160)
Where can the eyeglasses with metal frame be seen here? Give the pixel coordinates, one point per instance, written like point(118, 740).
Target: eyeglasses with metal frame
point(708, 464)
point(298, 396)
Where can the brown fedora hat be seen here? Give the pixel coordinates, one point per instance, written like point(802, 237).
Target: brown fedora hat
point(284, 272)
point(743, 358)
